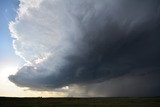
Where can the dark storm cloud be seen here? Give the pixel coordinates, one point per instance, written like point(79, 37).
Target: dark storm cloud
point(132, 85)
point(119, 39)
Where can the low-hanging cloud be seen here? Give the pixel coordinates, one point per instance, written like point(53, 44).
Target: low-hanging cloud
point(88, 43)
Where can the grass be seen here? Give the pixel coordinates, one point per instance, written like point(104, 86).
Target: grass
point(80, 102)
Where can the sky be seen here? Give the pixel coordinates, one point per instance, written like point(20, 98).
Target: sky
point(8, 12)
point(80, 48)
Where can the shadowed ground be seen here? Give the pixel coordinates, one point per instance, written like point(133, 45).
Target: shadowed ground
point(80, 102)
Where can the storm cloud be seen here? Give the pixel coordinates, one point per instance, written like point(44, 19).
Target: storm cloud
point(106, 46)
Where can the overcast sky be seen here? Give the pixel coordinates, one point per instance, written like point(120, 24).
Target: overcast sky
point(84, 48)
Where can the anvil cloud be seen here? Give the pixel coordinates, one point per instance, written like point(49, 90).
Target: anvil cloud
point(106, 46)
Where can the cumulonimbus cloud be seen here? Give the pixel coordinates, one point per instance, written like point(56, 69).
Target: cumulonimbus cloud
point(82, 42)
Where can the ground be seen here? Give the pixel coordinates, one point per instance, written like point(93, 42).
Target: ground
point(80, 102)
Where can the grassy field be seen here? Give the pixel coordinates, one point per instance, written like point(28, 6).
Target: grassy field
point(80, 102)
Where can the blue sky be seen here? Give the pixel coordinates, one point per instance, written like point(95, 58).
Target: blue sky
point(8, 13)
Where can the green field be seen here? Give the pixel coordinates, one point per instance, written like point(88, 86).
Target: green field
point(80, 102)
